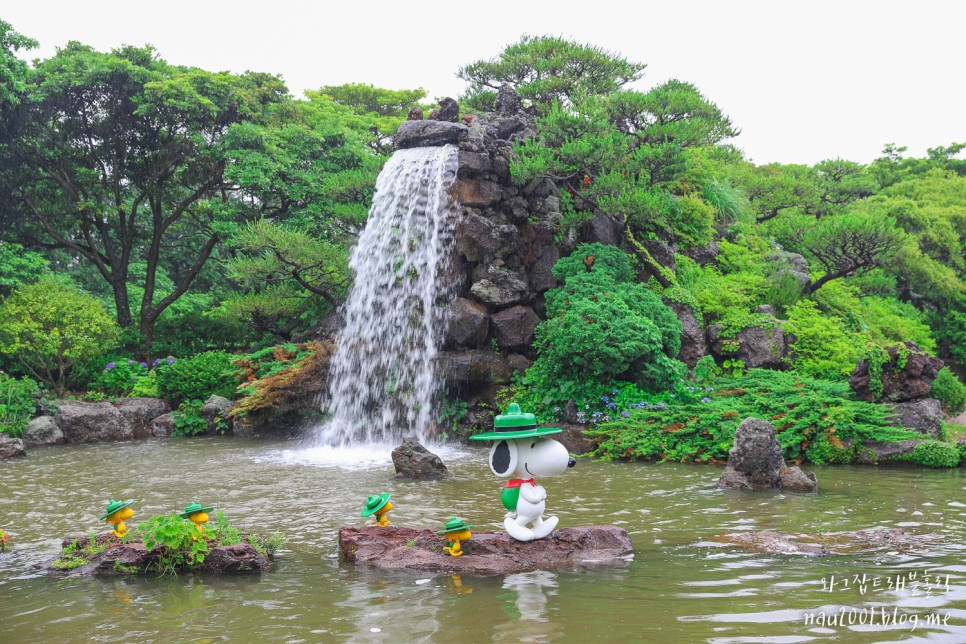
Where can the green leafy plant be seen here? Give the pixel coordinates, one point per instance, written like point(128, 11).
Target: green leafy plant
point(932, 454)
point(188, 420)
point(733, 367)
point(267, 546)
point(198, 377)
point(705, 371)
point(221, 532)
point(73, 555)
point(18, 403)
point(947, 389)
point(179, 543)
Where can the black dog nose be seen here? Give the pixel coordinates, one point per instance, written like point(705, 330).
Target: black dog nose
point(571, 462)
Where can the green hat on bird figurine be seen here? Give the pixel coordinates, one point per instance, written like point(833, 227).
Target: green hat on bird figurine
point(375, 503)
point(192, 508)
point(514, 424)
point(455, 525)
point(114, 506)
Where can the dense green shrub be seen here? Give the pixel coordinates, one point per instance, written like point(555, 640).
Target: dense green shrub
point(823, 347)
point(601, 328)
point(118, 378)
point(815, 420)
point(198, 377)
point(18, 403)
point(932, 454)
point(49, 327)
point(949, 391)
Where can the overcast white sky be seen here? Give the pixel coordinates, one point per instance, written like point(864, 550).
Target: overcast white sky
point(804, 81)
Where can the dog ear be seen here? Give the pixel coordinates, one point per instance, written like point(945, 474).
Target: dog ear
point(503, 458)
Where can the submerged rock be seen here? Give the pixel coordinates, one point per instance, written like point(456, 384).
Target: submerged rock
point(487, 553)
point(413, 461)
point(830, 543)
point(755, 462)
point(134, 558)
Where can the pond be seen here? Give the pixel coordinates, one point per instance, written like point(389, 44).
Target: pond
point(682, 585)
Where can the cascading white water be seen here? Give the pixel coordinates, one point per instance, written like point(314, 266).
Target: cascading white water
point(382, 377)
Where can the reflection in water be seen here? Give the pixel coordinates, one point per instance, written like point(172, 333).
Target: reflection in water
point(525, 597)
point(682, 586)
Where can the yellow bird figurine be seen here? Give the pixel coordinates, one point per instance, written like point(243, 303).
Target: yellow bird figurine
point(378, 505)
point(197, 514)
point(116, 513)
point(456, 531)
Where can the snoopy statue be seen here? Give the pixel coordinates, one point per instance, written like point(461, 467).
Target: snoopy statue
point(521, 453)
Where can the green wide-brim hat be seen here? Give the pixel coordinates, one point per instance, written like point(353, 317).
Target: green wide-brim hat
point(515, 424)
point(454, 525)
point(375, 503)
point(192, 508)
point(114, 506)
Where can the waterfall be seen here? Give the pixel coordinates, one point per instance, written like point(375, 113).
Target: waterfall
point(382, 381)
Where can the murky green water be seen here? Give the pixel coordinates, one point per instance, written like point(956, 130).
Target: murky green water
point(681, 587)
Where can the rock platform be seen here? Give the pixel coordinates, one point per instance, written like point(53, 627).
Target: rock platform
point(487, 553)
point(135, 559)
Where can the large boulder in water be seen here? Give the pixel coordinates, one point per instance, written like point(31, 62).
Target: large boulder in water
point(487, 553)
point(418, 134)
point(85, 422)
point(755, 462)
point(413, 461)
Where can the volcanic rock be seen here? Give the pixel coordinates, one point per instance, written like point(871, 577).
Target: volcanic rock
point(924, 416)
point(514, 327)
point(85, 422)
point(507, 101)
point(42, 430)
point(415, 134)
point(415, 114)
point(873, 452)
point(692, 334)
point(487, 553)
point(413, 461)
point(139, 412)
point(467, 323)
point(472, 366)
point(757, 347)
point(449, 110)
point(135, 559)
point(11, 447)
point(910, 381)
point(162, 426)
point(755, 462)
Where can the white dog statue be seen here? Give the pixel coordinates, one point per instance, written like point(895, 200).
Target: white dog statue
point(521, 453)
